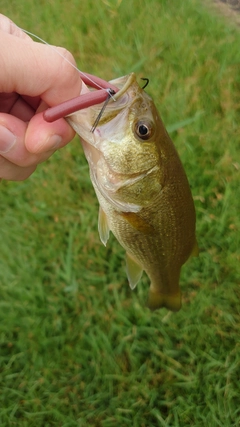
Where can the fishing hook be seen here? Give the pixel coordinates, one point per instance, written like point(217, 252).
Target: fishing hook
point(146, 80)
point(83, 101)
point(111, 92)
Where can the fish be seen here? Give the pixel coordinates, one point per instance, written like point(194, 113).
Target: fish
point(143, 191)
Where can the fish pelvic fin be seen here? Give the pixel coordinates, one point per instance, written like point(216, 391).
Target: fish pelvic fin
point(134, 271)
point(157, 300)
point(103, 227)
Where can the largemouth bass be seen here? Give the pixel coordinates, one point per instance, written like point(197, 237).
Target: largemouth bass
point(142, 189)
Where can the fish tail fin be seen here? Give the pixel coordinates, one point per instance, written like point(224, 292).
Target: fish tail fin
point(157, 300)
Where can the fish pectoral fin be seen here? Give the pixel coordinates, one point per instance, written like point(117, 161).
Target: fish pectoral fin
point(158, 300)
point(137, 222)
point(134, 271)
point(103, 227)
point(195, 251)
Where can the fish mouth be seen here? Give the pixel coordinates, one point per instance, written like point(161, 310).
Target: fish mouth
point(123, 83)
point(117, 102)
point(83, 120)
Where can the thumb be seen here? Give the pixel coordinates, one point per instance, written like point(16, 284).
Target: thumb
point(43, 137)
point(26, 145)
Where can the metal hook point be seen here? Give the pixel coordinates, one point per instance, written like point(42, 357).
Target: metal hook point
point(146, 80)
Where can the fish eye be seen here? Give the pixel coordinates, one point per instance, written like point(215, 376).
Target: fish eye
point(144, 129)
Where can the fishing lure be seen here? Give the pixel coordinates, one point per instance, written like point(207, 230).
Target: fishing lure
point(104, 92)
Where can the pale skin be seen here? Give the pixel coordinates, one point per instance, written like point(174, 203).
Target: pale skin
point(32, 77)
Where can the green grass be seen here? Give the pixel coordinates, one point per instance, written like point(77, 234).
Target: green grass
point(78, 348)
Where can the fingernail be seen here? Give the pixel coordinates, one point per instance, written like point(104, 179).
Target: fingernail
point(7, 140)
point(51, 143)
point(54, 141)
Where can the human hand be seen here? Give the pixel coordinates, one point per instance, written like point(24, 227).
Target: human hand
point(32, 77)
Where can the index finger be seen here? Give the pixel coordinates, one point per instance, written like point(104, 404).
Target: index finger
point(34, 69)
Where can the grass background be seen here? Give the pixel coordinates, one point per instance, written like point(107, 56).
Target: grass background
point(77, 347)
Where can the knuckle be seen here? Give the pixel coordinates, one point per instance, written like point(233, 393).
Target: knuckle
point(66, 83)
point(24, 173)
point(2, 161)
point(67, 63)
point(68, 69)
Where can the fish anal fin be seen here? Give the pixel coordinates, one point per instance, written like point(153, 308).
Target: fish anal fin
point(137, 222)
point(157, 300)
point(195, 250)
point(103, 227)
point(134, 271)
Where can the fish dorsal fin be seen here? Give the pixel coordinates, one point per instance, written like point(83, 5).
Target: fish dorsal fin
point(134, 271)
point(103, 227)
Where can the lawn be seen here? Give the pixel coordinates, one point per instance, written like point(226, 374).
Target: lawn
point(78, 348)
